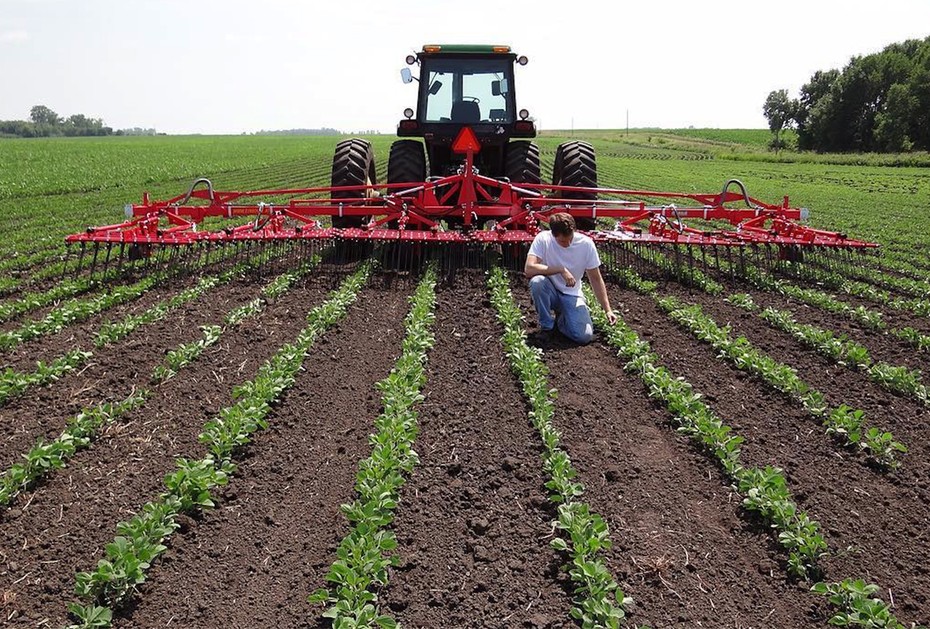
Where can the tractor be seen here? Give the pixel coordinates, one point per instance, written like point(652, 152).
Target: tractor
point(459, 86)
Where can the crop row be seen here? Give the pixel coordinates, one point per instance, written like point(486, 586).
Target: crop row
point(107, 163)
point(112, 332)
point(14, 383)
point(583, 534)
point(37, 299)
point(895, 378)
point(843, 422)
point(908, 267)
point(688, 274)
point(765, 491)
point(8, 285)
point(366, 552)
point(141, 539)
point(919, 305)
point(37, 227)
point(860, 315)
point(40, 251)
point(744, 356)
point(44, 458)
point(918, 289)
point(75, 311)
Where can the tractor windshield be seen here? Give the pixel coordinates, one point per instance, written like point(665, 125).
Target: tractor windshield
point(467, 90)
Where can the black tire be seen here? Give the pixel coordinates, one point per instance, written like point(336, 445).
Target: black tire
point(576, 165)
point(521, 162)
point(557, 166)
point(407, 162)
point(353, 165)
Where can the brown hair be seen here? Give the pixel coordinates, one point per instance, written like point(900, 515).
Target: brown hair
point(561, 224)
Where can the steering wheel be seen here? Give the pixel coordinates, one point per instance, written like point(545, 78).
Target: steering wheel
point(475, 99)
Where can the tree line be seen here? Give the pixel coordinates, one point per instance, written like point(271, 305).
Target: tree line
point(43, 122)
point(877, 103)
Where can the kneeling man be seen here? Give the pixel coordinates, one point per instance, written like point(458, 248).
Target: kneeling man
point(556, 261)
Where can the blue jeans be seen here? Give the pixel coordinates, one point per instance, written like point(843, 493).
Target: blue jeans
point(573, 316)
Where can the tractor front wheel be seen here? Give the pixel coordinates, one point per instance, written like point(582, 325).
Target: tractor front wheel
point(407, 162)
point(353, 165)
point(521, 162)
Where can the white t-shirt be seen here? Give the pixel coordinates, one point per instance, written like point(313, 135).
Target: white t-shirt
point(578, 257)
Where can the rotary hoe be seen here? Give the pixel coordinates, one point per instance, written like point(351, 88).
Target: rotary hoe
point(464, 189)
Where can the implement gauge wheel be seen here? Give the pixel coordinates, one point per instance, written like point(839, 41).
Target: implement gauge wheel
point(575, 165)
point(353, 165)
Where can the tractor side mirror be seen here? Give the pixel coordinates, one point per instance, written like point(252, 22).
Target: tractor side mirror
point(499, 87)
point(406, 76)
point(435, 87)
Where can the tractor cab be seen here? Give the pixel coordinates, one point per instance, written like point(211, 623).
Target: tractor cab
point(465, 86)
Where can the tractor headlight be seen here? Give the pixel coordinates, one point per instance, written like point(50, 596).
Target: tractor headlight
point(411, 59)
point(524, 114)
point(408, 113)
point(522, 60)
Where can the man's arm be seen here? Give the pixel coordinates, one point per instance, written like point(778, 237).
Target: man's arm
point(600, 291)
point(534, 266)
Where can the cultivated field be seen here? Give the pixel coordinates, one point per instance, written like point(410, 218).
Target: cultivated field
point(271, 441)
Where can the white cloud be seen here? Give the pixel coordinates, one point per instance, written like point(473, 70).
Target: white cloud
point(13, 37)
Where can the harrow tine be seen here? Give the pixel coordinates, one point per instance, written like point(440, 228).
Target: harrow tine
point(93, 264)
point(106, 260)
point(80, 264)
point(121, 259)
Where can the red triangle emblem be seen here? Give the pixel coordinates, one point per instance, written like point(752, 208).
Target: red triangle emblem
point(466, 141)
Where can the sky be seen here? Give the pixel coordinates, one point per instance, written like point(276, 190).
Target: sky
point(228, 67)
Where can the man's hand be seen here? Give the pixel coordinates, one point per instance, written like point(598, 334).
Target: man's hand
point(568, 277)
point(611, 317)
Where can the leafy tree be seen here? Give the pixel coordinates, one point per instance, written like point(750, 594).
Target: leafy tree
point(45, 123)
point(892, 124)
point(919, 88)
point(812, 93)
point(780, 112)
point(42, 115)
point(878, 102)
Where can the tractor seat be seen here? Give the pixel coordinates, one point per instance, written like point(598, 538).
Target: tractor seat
point(466, 112)
point(498, 115)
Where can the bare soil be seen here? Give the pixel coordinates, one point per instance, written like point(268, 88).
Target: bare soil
point(273, 536)
point(679, 541)
point(876, 523)
point(62, 526)
point(473, 521)
point(112, 372)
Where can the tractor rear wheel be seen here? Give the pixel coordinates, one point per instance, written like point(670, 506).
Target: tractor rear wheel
point(353, 165)
point(521, 162)
point(575, 165)
point(407, 162)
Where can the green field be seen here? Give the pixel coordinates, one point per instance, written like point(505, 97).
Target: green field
point(750, 430)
